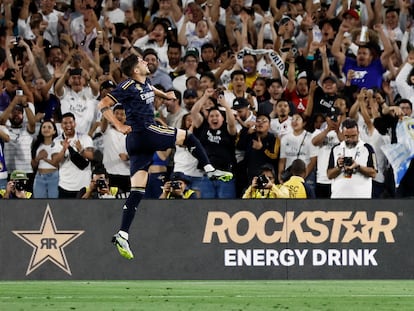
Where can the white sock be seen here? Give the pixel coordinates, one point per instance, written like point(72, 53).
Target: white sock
point(209, 168)
point(123, 234)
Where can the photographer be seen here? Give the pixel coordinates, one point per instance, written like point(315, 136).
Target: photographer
point(352, 165)
point(263, 187)
point(99, 187)
point(178, 187)
point(16, 187)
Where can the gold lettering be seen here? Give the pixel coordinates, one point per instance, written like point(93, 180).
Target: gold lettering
point(261, 227)
point(251, 227)
point(386, 228)
point(219, 228)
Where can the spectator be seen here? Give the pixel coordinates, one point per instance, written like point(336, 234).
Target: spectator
point(190, 60)
point(157, 76)
point(298, 187)
point(190, 97)
point(263, 186)
point(351, 165)
point(218, 135)
point(298, 145)
point(364, 111)
point(158, 38)
point(281, 121)
point(186, 163)
point(325, 139)
point(205, 32)
point(260, 146)
point(322, 98)
point(368, 68)
point(208, 58)
point(74, 158)
point(99, 186)
point(20, 122)
point(238, 89)
point(175, 110)
point(178, 187)
point(276, 89)
point(47, 172)
point(115, 156)
point(10, 85)
point(78, 98)
point(175, 66)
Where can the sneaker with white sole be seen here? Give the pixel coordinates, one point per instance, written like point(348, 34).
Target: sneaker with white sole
point(220, 175)
point(123, 246)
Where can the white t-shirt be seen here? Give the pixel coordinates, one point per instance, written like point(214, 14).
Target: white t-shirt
point(324, 151)
point(281, 129)
point(83, 105)
point(297, 147)
point(114, 143)
point(50, 149)
point(72, 178)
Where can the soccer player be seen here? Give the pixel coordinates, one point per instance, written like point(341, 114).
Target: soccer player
point(144, 137)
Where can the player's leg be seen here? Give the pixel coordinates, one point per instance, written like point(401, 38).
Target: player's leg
point(197, 150)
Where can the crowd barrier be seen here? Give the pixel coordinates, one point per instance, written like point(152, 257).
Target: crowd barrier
point(208, 239)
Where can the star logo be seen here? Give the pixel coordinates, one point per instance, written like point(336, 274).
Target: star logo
point(48, 243)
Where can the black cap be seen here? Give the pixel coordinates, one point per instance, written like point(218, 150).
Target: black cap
point(190, 93)
point(191, 52)
point(175, 176)
point(240, 102)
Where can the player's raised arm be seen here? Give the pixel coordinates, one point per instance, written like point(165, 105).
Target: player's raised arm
point(105, 107)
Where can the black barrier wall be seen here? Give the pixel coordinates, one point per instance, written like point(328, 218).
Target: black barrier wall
point(207, 239)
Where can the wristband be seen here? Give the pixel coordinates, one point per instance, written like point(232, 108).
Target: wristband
point(310, 57)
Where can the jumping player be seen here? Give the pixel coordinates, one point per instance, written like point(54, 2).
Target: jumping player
point(144, 137)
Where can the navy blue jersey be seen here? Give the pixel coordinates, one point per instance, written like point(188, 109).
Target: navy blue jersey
point(138, 101)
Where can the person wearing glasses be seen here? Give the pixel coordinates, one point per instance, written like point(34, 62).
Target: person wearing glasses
point(144, 137)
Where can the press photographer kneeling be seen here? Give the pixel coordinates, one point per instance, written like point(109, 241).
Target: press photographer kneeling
point(178, 187)
point(16, 187)
point(99, 186)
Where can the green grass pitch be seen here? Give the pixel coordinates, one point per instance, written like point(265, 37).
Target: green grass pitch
point(207, 295)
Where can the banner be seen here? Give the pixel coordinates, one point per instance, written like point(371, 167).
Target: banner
point(275, 57)
point(208, 239)
point(400, 154)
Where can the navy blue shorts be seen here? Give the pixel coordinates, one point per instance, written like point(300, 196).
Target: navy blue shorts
point(141, 145)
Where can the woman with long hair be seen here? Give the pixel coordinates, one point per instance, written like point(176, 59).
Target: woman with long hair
point(47, 173)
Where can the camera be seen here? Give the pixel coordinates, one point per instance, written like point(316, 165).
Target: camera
point(19, 92)
point(334, 117)
point(175, 184)
point(348, 161)
point(20, 185)
point(101, 184)
point(262, 181)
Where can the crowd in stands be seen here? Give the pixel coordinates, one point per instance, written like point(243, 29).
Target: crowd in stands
point(314, 89)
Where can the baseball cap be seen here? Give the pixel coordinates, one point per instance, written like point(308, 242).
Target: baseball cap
point(191, 52)
point(330, 78)
point(240, 102)
point(18, 175)
point(190, 93)
point(175, 176)
point(352, 13)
